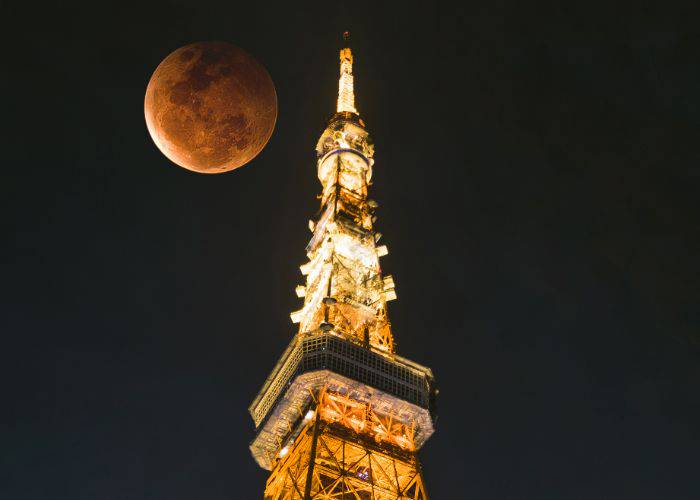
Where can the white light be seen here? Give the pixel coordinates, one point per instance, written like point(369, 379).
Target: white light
point(297, 315)
point(284, 451)
point(309, 415)
point(346, 94)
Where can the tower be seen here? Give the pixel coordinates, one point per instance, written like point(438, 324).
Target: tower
point(342, 415)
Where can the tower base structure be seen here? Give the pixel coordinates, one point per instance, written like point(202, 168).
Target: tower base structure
point(329, 461)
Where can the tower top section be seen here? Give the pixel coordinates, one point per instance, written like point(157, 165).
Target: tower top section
point(346, 91)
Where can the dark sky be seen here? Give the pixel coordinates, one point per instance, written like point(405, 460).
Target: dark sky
point(537, 170)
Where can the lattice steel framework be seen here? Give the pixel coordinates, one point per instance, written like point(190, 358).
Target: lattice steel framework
point(342, 415)
point(339, 466)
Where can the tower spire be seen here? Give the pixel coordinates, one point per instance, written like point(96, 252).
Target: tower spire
point(346, 93)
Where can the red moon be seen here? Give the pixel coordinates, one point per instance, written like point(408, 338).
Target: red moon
point(210, 107)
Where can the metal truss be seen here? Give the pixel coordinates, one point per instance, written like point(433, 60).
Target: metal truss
point(327, 462)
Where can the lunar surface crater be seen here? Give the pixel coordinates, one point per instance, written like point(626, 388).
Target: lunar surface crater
point(210, 107)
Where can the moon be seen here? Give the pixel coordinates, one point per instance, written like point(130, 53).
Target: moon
point(210, 107)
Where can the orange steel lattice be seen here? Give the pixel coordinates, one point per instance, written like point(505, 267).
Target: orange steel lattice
point(359, 417)
point(328, 462)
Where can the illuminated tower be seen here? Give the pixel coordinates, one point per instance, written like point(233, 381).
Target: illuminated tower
point(342, 415)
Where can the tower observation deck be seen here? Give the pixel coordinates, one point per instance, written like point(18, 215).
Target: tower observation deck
point(342, 415)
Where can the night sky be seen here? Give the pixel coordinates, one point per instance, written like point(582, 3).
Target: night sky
point(538, 180)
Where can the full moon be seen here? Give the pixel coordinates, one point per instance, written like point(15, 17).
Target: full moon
point(210, 107)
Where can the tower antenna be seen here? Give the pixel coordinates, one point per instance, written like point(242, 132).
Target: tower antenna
point(346, 92)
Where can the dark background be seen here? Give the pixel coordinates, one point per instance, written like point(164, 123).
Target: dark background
point(537, 170)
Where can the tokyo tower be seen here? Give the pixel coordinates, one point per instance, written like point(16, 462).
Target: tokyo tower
point(342, 414)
